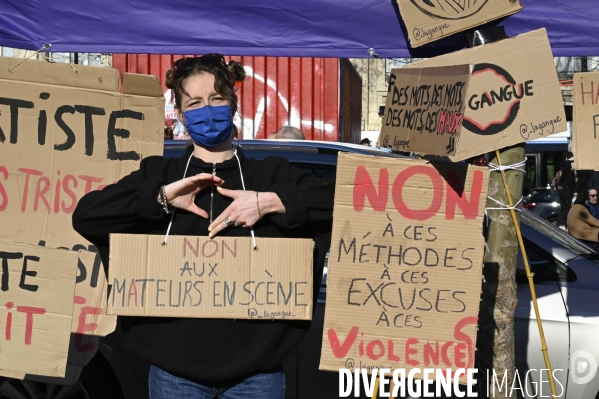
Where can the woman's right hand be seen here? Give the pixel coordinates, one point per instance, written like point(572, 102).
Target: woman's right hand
point(181, 194)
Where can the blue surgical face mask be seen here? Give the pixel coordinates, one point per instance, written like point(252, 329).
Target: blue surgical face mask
point(209, 126)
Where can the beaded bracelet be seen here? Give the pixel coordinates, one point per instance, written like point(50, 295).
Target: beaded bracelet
point(164, 200)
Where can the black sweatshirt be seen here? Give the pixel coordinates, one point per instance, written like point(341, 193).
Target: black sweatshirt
point(211, 349)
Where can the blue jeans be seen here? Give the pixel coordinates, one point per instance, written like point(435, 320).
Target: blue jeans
point(267, 385)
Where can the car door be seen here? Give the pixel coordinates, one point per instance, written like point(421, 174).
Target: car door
point(581, 298)
point(549, 273)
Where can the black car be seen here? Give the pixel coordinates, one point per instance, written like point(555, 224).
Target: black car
point(117, 373)
point(544, 203)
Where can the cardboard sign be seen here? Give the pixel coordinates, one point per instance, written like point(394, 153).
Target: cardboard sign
point(585, 137)
point(38, 285)
point(405, 267)
point(90, 322)
point(210, 278)
point(430, 20)
point(513, 93)
point(65, 131)
point(90, 318)
point(424, 109)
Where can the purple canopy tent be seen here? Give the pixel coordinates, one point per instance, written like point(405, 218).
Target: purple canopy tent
point(309, 28)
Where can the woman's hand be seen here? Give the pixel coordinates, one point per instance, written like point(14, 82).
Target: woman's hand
point(181, 194)
point(247, 208)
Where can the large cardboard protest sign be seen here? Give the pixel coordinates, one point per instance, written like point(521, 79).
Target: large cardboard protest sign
point(65, 131)
point(405, 267)
point(585, 137)
point(90, 321)
point(222, 277)
point(37, 291)
point(424, 109)
point(513, 93)
point(427, 20)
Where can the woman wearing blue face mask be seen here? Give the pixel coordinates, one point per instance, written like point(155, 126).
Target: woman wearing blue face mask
point(213, 189)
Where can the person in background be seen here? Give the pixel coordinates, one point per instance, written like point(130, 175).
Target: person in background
point(581, 224)
point(568, 183)
point(168, 129)
point(584, 180)
point(556, 184)
point(214, 190)
point(290, 133)
point(594, 182)
point(287, 133)
point(179, 132)
point(480, 161)
point(365, 141)
point(592, 203)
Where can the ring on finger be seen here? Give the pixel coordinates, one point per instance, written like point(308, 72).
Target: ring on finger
point(229, 222)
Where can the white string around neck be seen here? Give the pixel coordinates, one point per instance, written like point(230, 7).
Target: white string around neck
point(242, 185)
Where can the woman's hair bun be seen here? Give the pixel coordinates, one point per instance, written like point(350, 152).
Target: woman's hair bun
point(170, 79)
point(236, 70)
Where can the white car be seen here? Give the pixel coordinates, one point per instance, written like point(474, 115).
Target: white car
point(566, 280)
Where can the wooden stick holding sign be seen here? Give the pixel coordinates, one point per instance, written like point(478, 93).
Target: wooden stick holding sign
point(529, 275)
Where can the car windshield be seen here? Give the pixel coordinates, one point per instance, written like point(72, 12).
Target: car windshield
point(558, 235)
point(322, 161)
point(543, 194)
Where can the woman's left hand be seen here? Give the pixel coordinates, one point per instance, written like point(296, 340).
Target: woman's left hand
point(244, 210)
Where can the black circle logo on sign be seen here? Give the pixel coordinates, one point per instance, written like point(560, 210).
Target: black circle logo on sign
point(449, 9)
point(502, 121)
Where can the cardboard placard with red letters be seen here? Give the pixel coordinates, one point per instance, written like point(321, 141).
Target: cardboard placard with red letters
point(585, 132)
point(64, 132)
point(220, 277)
point(425, 109)
point(405, 265)
point(38, 285)
point(513, 93)
point(90, 322)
